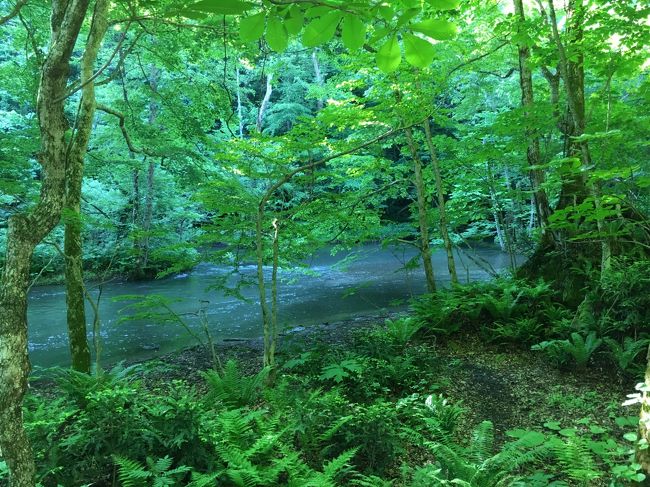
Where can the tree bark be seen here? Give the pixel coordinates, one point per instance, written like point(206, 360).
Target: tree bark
point(73, 248)
point(26, 230)
point(318, 75)
point(265, 102)
point(442, 205)
point(533, 153)
point(643, 455)
point(240, 110)
point(423, 214)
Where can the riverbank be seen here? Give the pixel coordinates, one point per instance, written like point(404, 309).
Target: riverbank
point(510, 386)
point(355, 400)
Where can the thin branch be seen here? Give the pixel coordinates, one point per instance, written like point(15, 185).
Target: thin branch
point(15, 11)
point(312, 165)
point(165, 22)
point(125, 133)
point(72, 91)
point(120, 62)
point(477, 58)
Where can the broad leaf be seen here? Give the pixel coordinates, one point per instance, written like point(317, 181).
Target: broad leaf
point(353, 32)
point(221, 7)
point(417, 51)
point(276, 35)
point(444, 4)
point(294, 21)
point(436, 29)
point(252, 28)
point(389, 56)
point(321, 30)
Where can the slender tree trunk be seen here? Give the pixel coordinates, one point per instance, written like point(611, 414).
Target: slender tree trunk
point(643, 454)
point(533, 153)
point(442, 205)
point(274, 292)
point(318, 75)
point(261, 285)
point(73, 248)
point(148, 213)
point(25, 231)
point(240, 114)
point(573, 75)
point(423, 214)
point(265, 102)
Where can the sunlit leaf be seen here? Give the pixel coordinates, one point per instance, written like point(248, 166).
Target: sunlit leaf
point(252, 28)
point(321, 30)
point(436, 29)
point(221, 7)
point(417, 51)
point(276, 35)
point(444, 4)
point(389, 55)
point(353, 32)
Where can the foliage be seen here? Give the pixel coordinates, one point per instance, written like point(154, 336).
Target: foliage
point(233, 389)
point(578, 349)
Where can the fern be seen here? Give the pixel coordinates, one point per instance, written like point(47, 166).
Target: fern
point(157, 473)
point(233, 389)
point(477, 466)
point(575, 459)
point(626, 353)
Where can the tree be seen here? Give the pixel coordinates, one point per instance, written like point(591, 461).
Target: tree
point(75, 290)
point(27, 229)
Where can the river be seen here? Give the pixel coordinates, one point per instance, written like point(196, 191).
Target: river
point(370, 281)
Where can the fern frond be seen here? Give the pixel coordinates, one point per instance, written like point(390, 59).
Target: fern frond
point(131, 473)
point(482, 442)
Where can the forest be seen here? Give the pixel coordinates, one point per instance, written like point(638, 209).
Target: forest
point(320, 243)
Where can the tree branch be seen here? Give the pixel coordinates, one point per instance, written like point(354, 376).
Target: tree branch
point(14, 12)
point(477, 58)
point(73, 90)
point(125, 133)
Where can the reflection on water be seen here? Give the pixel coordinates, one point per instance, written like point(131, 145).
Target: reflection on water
point(330, 288)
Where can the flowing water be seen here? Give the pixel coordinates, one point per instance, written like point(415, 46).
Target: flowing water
point(370, 280)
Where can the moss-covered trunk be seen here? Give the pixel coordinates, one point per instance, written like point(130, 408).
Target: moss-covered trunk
point(75, 291)
point(26, 230)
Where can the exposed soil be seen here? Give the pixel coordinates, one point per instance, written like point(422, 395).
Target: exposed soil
point(510, 386)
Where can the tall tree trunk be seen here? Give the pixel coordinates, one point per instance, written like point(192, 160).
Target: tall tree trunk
point(318, 75)
point(643, 454)
point(265, 102)
point(75, 299)
point(26, 230)
point(442, 205)
point(148, 213)
point(533, 153)
point(573, 74)
point(240, 113)
point(423, 214)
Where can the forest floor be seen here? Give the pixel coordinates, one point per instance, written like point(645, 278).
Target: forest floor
point(508, 385)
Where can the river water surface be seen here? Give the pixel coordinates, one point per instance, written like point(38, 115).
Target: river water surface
point(371, 281)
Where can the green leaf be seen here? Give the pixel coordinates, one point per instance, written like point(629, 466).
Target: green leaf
point(436, 29)
point(417, 51)
point(276, 35)
point(553, 425)
point(568, 432)
point(251, 28)
point(386, 13)
point(294, 21)
point(388, 56)
point(221, 7)
point(444, 4)
point(321, 30)
point(353, 32)
point(630, 436)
